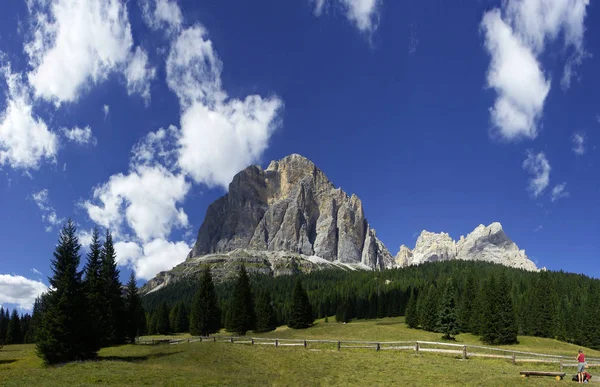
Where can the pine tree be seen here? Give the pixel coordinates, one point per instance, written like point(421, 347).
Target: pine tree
point(240, 316)
point(467, 306)
point(13, 333)
point(182, 318)
point(62, 333)
point(411, 316)
point(265, 314)
point(205, 316)
point(507, 322)
point(300, 308)
point(541, 310)
point(3, 326)
point(162, 319)
point(491, 320)
point(93, 290)
point(113, 317)
point(430, 311)
point(135, 311)
point(36, 318)
point(448, 320)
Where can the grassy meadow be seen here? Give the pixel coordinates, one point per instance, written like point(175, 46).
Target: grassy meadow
point(206, 364)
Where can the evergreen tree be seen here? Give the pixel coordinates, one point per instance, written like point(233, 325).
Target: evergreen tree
point(448, 320)
point(265, 314)
point(162, 320)
point(182, 318)
point(411, 316)
point(240, 315)
point(174, 324)
point(135, 311)
point(113, 316)
point(25, 332)
point(93, 290)
point(507, 322)
point(205, 316)
point(430, 311)
point(300, 308)
point(491, 320)
point(541, 309)
point(36, 319)
point(13, 333)
point(467, 306)
point(62, 335)
point(3, 326)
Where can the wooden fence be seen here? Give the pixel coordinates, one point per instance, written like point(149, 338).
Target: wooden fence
point(464, 351)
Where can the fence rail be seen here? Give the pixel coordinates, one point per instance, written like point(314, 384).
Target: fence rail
point(462, 350)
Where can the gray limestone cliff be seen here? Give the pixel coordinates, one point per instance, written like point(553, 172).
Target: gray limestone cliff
point(485, 243)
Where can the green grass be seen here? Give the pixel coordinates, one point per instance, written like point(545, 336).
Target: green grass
point(236, 364)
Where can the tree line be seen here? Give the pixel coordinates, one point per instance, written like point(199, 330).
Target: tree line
point(247, 309)
point(490, 300)
point(15, 328)
point(85, 310)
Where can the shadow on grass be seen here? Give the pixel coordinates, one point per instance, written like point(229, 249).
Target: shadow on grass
point(7, 361)
point(134, 359)
point(389, 322)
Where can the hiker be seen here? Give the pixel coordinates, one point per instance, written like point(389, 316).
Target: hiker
point(580, 366)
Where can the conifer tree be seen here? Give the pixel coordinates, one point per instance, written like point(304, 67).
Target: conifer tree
point(240, 316)
point(182, 318)
point(541, 309)
point(507, 322)
point(490, 319)
point(205, 315)
point(265, 314)
point(135, 311)
point(411, 317)
point(163, 326)
point(430, 311)
point(172, 314)
point(3, 326)
point(300, 308)
point(36, 318)
point(448, 320)
point(92, 284)
point(62, 335)
point(13, 333)
point(113, 317)
point(467, 305)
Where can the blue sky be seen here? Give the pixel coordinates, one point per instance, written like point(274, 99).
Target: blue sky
point(438, 115)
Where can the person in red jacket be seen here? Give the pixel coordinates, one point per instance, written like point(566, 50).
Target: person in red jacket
point(580, 366)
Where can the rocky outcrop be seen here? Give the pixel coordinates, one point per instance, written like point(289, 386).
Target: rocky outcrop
point(488, 244)
point(290, 206)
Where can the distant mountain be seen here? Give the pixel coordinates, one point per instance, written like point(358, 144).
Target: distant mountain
point(291, 217)
point(488, 244)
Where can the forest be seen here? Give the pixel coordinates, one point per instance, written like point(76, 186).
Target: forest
point(493, 301)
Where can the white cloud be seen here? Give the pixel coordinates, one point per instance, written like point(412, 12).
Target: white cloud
point(85, 237)
point(219, 136)
point(538, 228)
point(156, 148)
point(559, 192)
point(36, 271)
point(139, 74)
point(516, 35)
point(79, 136)
point(539, 167)
point(152, 257)
point(516, 76)
point(25, 139)
point(48, 212)
point(145, 199)
point(578, 143)
point(364, 14)
point(106, 110)
point(162, 14)
point(16, 289)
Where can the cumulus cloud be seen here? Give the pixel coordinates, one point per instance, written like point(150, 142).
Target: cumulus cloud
point(538, 166)
point(150, 258)
point(25, 139)
point(219, 136)
point(49, 216)
point(77, 43)
point(515, 36)
point(364, 14)
point(16, 289)
point(162, 14)
point(139, 74)
point(559, 192)
point(79, 136)
point(578, 143)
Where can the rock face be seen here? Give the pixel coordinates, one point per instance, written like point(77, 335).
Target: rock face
point(290, 206)
point(488, 244)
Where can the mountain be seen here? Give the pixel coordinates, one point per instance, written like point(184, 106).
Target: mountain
point(485, 243)
point(290, 217)
point(284, 217)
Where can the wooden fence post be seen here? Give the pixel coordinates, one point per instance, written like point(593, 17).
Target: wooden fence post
point(561, 365)
point(378, 347)
point(200, 338)
point(252, 341)
point(339, 345)
point(276, 343)
point(214, 339)
point(514, 359)
point(152, 341)
point(188, 340)
point(464, 352)
point(304, 343)
point(231, 339)
point(417, 347)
